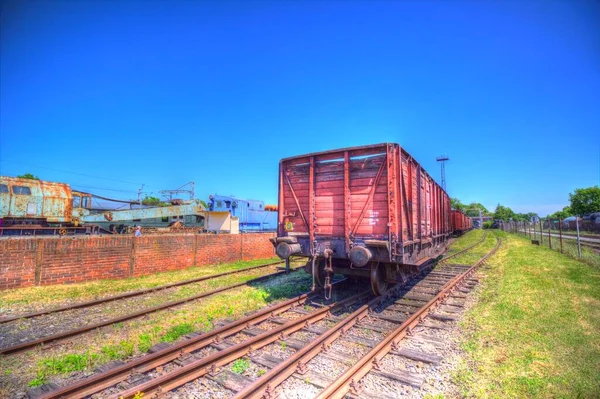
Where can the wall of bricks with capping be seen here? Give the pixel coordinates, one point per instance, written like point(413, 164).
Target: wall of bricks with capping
point(34, 261)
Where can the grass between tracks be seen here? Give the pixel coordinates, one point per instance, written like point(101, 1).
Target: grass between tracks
point(477, 252)
point(535, 331)
point(57, 295)
point(462, 242)
point(129, 339)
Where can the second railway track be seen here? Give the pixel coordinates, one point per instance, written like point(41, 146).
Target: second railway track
point(286, 338)
point(56, 337)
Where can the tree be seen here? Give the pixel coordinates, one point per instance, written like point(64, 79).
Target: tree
point(153, 201)
point(456, 204)
point(523, 217)
point(565, 213)
point(474, 207)
point(28, 176)
point(585, 200)
point(503, 213)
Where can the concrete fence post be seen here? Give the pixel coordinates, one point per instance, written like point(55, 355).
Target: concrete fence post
point(578, 240)
point(560, 234)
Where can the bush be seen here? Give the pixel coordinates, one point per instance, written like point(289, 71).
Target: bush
point(487, 225)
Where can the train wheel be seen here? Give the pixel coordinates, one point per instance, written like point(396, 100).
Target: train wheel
point(378, 283)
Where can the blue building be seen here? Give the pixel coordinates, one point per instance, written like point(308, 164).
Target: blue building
point(251, 214)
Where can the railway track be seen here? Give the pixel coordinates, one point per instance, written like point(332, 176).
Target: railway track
point(303, 324)
point(77, 331)
point(132, 294)
point(445, 258)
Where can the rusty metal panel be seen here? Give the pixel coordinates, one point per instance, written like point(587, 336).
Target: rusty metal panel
point(36, 199)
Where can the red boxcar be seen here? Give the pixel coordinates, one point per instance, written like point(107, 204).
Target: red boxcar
point(460, 221)
point(368, 211)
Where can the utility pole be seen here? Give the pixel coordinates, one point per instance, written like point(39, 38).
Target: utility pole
point(140, 195)
point(443, 160)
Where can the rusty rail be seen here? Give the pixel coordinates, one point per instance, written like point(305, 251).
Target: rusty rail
point(350, 380)
point(265, 385)
point(462, 251)
point(212, 362)
point(77, 331)
point(133, 293)
point(98, 382)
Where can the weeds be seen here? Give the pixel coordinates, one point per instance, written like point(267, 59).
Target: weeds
point(165, 327)
point(240, 365)
point(175, 332)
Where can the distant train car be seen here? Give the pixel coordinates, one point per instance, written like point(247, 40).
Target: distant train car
point(32, 207)
point(368, 211)
point(189, 215)
point(460, 222)
point(253, 215)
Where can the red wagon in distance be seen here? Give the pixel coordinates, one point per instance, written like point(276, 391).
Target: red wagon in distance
point(369, 211)
point(460, 222)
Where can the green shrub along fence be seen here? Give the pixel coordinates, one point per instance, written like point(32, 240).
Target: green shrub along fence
point(554, 235)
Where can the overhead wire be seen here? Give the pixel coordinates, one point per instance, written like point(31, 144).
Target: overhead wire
point(67, 171)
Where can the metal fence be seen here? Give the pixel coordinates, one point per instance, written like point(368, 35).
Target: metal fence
point(568, 238)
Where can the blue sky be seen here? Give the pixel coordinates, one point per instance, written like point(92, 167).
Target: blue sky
point(110, 95)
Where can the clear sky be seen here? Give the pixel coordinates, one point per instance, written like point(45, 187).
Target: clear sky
point(110, 95)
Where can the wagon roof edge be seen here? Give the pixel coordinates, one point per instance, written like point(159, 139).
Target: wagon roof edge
point(356, 148)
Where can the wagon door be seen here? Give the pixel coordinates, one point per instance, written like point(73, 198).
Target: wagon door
point(57, 202)
point(293, 197)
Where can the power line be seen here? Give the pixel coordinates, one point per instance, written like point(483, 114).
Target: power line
point(66, 171)
point(103, 189)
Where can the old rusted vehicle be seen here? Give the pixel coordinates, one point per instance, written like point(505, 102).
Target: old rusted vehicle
point(460, 222)
point(33, 207)
point(369, 211)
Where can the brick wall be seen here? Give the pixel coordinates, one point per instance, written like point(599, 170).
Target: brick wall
point(49, 260)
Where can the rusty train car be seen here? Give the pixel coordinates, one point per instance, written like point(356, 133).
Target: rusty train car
point(460, 222)
point(369, 211)
point(33, 207)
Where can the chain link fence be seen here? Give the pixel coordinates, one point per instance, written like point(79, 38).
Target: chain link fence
point(575, 238)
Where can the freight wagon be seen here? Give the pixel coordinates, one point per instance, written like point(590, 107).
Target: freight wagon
point(369, 211)
point(460, 222)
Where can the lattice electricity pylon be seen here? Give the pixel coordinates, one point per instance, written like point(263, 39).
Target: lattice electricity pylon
point(443, 160)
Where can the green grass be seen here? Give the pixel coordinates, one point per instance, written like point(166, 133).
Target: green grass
point(167, 326)
point(240, 365)
point(473, 255)
point(175, 332)
point(62, 365)
point(569, 247)
point(59, 294)
point(535, 331)
point(467, 239)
